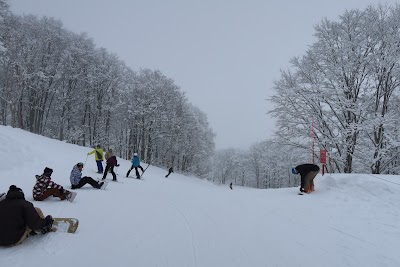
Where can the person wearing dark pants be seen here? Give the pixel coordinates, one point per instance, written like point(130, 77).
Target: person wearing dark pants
point(169, 172)
point(136, 165)
point(77, 181)
point(111, 163)
point(307, 173)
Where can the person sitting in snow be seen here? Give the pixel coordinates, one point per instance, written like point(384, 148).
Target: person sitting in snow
point(19, 218)
point(45, 188)
point(77, 181)
point(307, 173)
point(111, 163)
point(136, 165)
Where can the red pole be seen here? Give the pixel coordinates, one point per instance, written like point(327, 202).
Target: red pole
point(312, 139)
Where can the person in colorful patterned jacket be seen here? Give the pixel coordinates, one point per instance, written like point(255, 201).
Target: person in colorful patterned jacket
point(99, 157)
point(45, 188)
point(19, 218)
point(77, 181)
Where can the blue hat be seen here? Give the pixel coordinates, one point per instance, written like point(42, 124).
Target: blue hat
point(294, 171)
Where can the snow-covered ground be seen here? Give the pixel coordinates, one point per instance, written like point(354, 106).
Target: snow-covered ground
point(350, 220)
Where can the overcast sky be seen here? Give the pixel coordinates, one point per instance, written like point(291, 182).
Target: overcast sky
point(225, 54)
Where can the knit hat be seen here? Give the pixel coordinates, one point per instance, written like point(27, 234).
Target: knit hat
point(80, 164)
point(48, 171)
point(15, 193)
point(135, 154)
point(14, 188)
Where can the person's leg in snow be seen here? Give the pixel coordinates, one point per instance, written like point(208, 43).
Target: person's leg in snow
point(99, 166)
point(106, 171)
point(88, 180)
point(137, 172)
point(309, 183)
point(55, 192)
point(127, 174)
point(113, 173)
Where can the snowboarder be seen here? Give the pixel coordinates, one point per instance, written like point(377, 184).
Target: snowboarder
point(111, 162)
point(307, 172)
point(77, 181)
point(136, 165)
point(170, 170)
point(19, 218)
point(99, 157)
point(231, 186)
point(45, 187)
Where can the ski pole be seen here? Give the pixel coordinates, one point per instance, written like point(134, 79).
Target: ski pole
point(86, 160)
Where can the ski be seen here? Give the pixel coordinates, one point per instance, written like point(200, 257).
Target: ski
point(131, 177)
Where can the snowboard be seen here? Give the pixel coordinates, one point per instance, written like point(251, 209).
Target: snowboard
point(65, 225)
point(104, 185)
point(73, 195)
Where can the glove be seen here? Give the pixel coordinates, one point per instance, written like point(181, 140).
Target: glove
point(117, 165)
point(48, 225)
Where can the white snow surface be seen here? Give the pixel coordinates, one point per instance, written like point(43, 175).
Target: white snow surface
point(350, 220)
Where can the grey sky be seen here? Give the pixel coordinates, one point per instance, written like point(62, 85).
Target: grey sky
point(224, 53)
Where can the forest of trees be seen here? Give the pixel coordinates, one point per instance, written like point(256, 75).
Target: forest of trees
point(57, 83)
point(347, 82)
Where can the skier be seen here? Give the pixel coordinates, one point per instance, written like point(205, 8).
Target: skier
point(136, 165)
point(307, 172)
point(77, 181)
point(231, 186)
point(19, 218)
point(45, 188)
point(99, 157)
point(111, 162)
point(169, 172)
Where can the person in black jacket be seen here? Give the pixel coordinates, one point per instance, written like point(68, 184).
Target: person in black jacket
point(307, 172)
point(19, 218)
point(170, 170)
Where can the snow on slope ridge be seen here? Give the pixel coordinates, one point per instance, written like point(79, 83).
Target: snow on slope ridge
point(351, 220)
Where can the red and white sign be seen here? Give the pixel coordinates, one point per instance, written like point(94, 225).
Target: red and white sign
point(322, 156)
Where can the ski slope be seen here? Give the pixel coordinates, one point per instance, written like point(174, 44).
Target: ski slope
point(350, 220)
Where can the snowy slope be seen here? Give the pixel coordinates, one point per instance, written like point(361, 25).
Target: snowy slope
point(351, 220)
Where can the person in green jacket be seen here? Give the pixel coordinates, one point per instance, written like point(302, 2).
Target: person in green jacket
point(99, 157)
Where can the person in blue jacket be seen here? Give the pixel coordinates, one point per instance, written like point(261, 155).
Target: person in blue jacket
point(136, 165)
